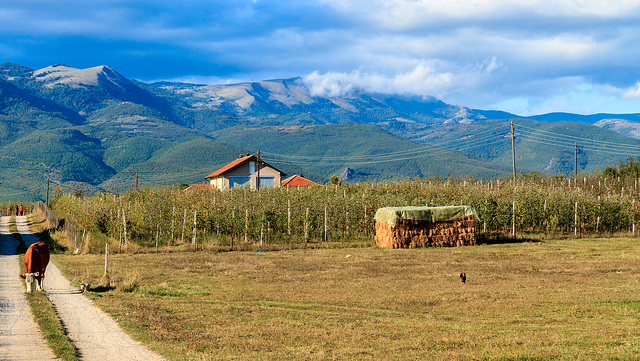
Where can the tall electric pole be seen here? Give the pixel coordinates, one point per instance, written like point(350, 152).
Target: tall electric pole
point(258, 170)
point(513, 153)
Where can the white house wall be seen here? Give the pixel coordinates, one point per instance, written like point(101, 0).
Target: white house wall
point(266, 172)
point(242, 170)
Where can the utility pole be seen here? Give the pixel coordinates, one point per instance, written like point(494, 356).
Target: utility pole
point(136, 182)
point(258, 170)
point(575, 169)
point(513, 154)
point(47, 192)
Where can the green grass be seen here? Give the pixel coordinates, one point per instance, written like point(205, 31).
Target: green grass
point(561, 299)
point(50, 326)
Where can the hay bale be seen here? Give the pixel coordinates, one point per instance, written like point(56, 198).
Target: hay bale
point(420, 233)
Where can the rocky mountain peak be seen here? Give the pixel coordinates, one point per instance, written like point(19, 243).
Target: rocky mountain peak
point(62, 74)
point(347, 175)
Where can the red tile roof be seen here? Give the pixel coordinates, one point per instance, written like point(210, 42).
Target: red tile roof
point(196, 187)
point(231, 165)
point(297, 181)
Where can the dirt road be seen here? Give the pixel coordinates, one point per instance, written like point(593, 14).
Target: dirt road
point(95, 335)
point(20, 338)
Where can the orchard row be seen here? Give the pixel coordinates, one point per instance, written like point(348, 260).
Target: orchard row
point(346, 213)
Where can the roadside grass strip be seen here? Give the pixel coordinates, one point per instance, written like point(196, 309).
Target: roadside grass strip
point(50, 326)
point(43, 311)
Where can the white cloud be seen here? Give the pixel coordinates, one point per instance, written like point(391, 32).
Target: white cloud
point(488, 66)
point(529, 54)
point(406, 13)
point(424, 80)
point(633, 92)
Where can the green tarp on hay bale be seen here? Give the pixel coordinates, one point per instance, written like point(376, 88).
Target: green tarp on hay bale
point(409, 227)
point(391, 215)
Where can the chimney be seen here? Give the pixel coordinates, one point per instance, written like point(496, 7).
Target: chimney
point(248, 154)
point(241, 155)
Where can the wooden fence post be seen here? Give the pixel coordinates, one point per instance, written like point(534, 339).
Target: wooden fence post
point(306, 225)
point(366, 230)
point(326, 236)
point(193, 239)
point(119, 232)
point(575, 219)
point(289, 218)
point(173, 220)
point(633, 218)
point(545, 218)
point(124, 226)
point(346, 221)
point(184, 223)
point(513, 218)
point(106, 265)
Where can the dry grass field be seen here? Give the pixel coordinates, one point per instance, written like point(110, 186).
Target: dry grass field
point(570, 299)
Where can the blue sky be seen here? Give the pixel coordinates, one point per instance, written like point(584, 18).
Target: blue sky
point(524, 56)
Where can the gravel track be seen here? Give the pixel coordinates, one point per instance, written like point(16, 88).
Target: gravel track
point(20, 338)
point(95, 335)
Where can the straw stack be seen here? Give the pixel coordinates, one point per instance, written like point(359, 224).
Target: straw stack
point(412, 233)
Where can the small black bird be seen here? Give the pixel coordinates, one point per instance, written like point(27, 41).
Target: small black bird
point(463, 277)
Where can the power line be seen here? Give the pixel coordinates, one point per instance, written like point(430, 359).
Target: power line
point(566, 143)
point(431, 148)
point(572, 138)
point(408, 154)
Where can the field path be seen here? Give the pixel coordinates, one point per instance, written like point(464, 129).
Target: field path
point(95, 335)
point(20, 338)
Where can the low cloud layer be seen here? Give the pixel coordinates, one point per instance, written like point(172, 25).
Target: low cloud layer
point(422, 80)
point(524, 56)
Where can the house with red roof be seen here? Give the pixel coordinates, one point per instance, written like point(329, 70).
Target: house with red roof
point(298, 181)
point(244, 172)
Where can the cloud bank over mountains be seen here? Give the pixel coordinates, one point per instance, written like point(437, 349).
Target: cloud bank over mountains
point(523, 56)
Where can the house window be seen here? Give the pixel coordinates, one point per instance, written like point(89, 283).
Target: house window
point(239, 181)
point(267, 182)
point(252, 167)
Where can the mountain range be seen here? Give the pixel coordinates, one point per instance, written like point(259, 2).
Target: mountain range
point(96, 130)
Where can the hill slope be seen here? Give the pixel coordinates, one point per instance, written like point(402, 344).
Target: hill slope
point(547, 147)
point(95, 129)
point(369, 152)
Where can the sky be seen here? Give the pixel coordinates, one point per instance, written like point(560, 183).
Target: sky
point(523, 56)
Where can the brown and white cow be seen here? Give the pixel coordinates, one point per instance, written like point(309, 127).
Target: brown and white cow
point(36, 260)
